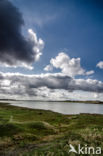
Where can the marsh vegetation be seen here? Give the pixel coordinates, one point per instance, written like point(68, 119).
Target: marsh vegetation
point(45, 133)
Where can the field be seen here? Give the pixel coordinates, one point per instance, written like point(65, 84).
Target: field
point(29, 132)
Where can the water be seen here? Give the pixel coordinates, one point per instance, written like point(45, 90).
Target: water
point(61, 107)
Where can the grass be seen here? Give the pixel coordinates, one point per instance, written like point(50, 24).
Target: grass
point(30, 132)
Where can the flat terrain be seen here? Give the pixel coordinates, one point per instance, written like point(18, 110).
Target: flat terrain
point(30, 132)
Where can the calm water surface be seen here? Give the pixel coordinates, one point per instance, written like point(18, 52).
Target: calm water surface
point(61, 107)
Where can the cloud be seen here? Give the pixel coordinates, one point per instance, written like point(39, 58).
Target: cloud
point(44, 85)
point(68, 66)
point(96, 95)
point(15, 49)
point(89, 72)
point(100, 64)
point(48, 68)
point(89, 85)
point(37, 46)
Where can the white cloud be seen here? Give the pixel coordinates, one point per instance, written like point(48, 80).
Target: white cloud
point(69, 66)
point(38, 44)
point(96, 95)
point(89, 72)
point(100, 64)
point(18, 64)
point(48, 68)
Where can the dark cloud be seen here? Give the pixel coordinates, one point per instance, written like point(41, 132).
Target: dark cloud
point(14, 47)
point(88, 85)
point(52, 82)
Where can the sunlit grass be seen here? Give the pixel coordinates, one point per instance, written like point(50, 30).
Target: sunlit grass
point(38, 132)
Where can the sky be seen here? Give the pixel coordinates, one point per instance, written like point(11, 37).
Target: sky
point(51, 50)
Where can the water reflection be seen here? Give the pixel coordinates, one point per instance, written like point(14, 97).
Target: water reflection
point(61, 107)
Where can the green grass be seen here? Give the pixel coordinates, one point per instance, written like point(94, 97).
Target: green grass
point(31, 132)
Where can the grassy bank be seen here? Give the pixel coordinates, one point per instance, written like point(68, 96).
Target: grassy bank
point(44, 133)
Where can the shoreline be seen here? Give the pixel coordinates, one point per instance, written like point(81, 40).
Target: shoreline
point(68, 101)
point(23, 107)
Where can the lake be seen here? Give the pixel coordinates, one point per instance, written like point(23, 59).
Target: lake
point(61, 107)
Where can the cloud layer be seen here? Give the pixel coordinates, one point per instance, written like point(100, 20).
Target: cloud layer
point(68, 66)
point(41, 85)
point(15, 49)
